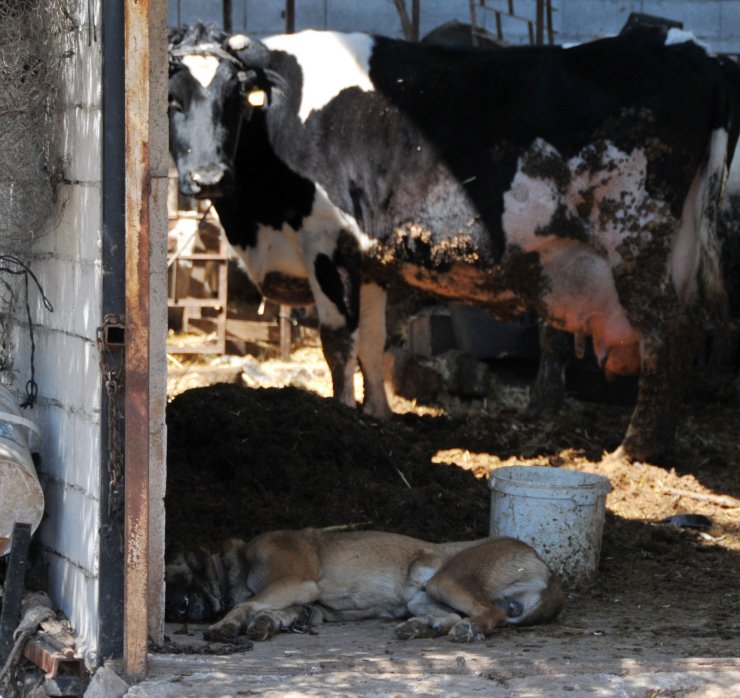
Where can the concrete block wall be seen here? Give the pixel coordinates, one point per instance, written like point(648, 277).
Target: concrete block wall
point(715, 21)
point(67, 262)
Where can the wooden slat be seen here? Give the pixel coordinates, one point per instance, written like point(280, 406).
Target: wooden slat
point(10, 615)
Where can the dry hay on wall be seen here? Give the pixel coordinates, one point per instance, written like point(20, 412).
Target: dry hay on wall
point(33, 38)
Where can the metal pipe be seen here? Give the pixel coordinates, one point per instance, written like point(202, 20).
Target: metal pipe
point(110, 576)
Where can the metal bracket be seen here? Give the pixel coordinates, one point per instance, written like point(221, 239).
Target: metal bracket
point(112, 333)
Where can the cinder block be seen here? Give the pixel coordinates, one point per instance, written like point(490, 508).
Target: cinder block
point(82, 81)
point(71, 523)
point(82, 128)
point(74, 590)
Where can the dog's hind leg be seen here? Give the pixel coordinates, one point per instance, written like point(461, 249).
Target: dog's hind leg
point(429, 619)
point(482, 616)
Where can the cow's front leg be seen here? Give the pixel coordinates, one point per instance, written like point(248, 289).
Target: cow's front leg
point(665, 359)
point(336, 287)
point(339, 346)
point(372, 348)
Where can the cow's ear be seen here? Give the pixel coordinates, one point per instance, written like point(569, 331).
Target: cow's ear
point(251, 54)
point(175, 35)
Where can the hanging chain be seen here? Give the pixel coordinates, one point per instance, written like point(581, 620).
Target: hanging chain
point(110, 347)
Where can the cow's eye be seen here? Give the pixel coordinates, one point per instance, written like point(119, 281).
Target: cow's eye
point(175, 105)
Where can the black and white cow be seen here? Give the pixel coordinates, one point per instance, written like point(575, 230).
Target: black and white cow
point(276, 221)
point(579, 183)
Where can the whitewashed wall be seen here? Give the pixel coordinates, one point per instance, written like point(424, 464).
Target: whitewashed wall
point(715, 21)
point(67, 262)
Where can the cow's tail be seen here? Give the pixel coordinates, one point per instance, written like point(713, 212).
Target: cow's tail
point(722, 144)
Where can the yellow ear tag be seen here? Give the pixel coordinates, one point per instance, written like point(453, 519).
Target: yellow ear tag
point(257, 98)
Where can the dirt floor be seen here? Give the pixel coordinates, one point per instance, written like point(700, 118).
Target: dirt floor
point(243, 459)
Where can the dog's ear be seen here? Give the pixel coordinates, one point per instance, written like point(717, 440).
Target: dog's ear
point(236, 571)
point(175, 35)
point(177, 570)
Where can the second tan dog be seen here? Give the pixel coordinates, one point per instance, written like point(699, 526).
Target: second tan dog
point(463, 589)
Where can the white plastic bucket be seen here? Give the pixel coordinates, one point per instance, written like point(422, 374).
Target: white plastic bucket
point(559, 512)
point(21, 497)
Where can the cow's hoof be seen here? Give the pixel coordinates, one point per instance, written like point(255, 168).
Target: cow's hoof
point(263, 627)
point(626, 454)
point(465, 631)
point(420, 627)
point(223, 631)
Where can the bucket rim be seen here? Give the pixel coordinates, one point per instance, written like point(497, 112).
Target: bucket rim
point(506, 475)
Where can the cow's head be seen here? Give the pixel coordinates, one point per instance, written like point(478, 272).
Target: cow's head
point(215, 82)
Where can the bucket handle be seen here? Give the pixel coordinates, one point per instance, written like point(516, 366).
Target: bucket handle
point(21, 421)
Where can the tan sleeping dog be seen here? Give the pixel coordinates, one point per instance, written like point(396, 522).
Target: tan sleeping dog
point(464, 590)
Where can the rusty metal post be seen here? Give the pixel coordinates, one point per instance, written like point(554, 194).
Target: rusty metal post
point(228, 23)
point(415, 19)
point(540, 22)
point(289, 16)
point(137, 46)
point(284, 312)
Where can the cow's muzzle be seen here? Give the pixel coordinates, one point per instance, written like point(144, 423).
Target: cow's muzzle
point(206, 182)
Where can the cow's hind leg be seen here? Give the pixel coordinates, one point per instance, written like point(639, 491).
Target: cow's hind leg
point(665, 359)
point(337, 305)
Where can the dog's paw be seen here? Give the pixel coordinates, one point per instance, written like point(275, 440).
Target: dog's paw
point(418, 627)
point(465, 631)
point(263, 626)
point(223, 631)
